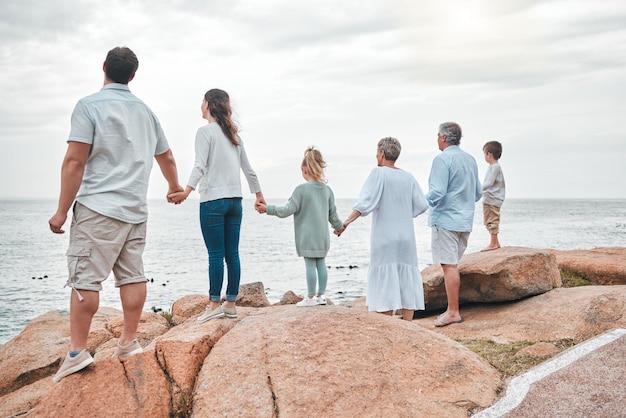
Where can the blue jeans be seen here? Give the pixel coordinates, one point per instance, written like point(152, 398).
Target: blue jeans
point(220, 221)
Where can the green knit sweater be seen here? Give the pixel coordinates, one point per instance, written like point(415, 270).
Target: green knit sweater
point(313, 205)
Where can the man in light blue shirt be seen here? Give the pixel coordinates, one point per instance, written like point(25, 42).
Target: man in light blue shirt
point(454, 188)
point(113, 142)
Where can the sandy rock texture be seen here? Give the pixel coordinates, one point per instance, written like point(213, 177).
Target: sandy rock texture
point(603, 266)
point(335, 360)
point(507, 274)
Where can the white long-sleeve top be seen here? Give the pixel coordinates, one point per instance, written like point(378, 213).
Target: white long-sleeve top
point(218, 164)
point(494, 186)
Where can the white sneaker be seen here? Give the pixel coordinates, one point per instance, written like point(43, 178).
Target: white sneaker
point(321, 300)
point(73, 364)
point(308, 301)
point(211, 314)
point(229, 312)
point(128, 350)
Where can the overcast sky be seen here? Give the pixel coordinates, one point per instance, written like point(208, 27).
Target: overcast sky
point(545, 78)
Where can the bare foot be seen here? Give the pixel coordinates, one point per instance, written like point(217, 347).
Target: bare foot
point(490, 248)
point(444, 321)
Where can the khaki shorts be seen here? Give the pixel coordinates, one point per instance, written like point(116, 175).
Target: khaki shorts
point(491, 217)
point(99, 245)
point(448, 246)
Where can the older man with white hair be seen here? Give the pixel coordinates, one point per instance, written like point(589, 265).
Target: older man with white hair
point(454, 188)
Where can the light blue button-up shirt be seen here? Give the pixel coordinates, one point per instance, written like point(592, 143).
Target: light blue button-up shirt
point(125, 136)
point(453, 190)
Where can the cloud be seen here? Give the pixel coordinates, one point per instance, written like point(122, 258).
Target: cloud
point(24, 20)
point(544, 77)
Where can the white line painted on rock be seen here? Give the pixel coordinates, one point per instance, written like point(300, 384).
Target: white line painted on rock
point(519, 386)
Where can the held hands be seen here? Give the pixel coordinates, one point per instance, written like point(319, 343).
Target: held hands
point(351, 218)
point(178, 195)
point(260, 205)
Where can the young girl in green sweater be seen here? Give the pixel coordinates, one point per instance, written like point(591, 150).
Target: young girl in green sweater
point(312, 205)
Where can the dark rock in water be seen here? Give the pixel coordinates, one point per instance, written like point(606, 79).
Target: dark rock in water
point(352, 267)
point(155, 309)
point(163, 284)
point(33, 277)
point(45, 276)
point(151, 280)
point(39, 278)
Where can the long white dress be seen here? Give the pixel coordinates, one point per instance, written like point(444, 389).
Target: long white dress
point(394, 198)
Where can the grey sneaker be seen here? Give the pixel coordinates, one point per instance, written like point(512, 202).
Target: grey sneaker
point(73, 364)
point(211, 314)
point(229, 312)
point(128, 350)
point(321, 300)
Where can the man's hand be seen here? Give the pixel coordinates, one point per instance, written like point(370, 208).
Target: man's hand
point(173, 195)
point(57, 221)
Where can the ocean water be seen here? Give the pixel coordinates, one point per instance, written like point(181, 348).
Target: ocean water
point(33, 267)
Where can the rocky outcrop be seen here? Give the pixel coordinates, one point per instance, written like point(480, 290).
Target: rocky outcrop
point(37, 352)
point(603, 266)
point(334, 361)
point(510, 273)
point(575, 314)
point(344, 361)
point(288, 361)
point(253, 295)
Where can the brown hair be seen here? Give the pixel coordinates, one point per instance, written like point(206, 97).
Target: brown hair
point(219, 106)
point(314, 164)
point(120, 65)
point(494, 147)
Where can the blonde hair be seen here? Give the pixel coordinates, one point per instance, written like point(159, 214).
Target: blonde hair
point(314, 164)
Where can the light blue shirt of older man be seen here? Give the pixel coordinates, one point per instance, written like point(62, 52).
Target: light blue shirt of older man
point(454, 188)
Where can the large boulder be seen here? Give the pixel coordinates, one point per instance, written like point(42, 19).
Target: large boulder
point(17, 403)
point(342, 362)
point(575, 314)
point(38, 350)
point(182, 351)
point(252, 295)
point(136, 387)
point(290, 361)
point(188, 306)
point(282, 359)
point(604, 266)
point(36, 353)
point(507, 274)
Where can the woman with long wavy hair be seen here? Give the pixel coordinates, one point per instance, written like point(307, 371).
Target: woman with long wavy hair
point(220, 157)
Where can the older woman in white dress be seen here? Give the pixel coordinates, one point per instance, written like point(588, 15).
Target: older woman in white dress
point(394, 198)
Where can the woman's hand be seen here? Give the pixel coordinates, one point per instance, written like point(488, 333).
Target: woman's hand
point(179, 197)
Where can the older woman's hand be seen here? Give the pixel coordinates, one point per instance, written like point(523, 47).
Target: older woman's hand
point(338, 232)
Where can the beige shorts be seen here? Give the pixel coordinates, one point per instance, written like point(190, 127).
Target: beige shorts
point(491, 217)
point(448, 246)
point(99, 245)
